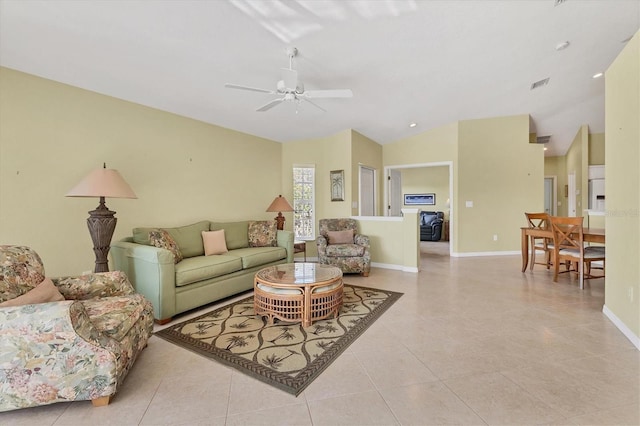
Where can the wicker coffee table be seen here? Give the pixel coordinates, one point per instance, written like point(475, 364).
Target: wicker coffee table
point(298, 292)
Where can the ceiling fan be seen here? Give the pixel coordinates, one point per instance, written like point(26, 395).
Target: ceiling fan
point(292, 90)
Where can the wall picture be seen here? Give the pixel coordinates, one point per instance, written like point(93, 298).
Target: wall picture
point(419, 199)
point(337, 185)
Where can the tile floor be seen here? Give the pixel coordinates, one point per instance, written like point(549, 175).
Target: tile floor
point(473, 341)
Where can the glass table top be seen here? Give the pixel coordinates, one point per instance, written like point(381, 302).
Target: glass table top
point(299, 273)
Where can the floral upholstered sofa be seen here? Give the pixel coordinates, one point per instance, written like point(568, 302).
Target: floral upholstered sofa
point(65, 339)
point(340, 245)
point(183, 268)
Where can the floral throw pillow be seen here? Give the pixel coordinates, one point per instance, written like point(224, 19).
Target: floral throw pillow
point(162, 239)
point(263, 233)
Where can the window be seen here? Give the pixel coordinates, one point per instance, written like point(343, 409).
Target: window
point(303, 214)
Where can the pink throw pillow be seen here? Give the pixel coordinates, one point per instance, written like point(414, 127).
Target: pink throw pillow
point(340, 237)
point(44, 292)
point(214, 242)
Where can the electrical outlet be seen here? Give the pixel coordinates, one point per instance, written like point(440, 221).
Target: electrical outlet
point(495, 237)
point(630, 294)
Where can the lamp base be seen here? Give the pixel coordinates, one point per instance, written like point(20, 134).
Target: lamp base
point(101, 224)
point(279, 221)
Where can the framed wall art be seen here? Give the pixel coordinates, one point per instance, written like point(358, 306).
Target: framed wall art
point(337, 185)
point(419, 199)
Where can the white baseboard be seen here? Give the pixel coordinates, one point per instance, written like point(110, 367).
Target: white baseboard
point(395, 267)
point(374, 264)
point(487, 253)
point(635, 340)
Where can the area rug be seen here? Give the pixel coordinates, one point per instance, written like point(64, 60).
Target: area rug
point(284, 355)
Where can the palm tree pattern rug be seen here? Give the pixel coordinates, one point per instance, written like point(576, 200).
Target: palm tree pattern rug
point(284, 355)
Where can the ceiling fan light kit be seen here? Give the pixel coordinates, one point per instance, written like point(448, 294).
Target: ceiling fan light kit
point(292, 90)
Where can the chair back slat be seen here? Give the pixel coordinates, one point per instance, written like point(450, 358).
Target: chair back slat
point(538, 220)
point(568, 232)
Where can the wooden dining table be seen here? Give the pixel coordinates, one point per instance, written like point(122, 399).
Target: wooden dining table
point(591, 235)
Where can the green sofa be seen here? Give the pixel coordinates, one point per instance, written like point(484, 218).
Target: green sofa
point(197, 280)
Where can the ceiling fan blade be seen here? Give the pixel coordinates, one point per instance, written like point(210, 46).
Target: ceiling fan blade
point(270, 105)
point(290, 78)
point(315, 105)
point(336, 93)
point(252, 89)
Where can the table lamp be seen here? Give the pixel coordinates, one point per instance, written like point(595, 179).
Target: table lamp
point(101, 221)
point(280, 204)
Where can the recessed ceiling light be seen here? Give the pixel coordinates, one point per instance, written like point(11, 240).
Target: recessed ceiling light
point(562, 46)
point(412, 125)
point(598, 75)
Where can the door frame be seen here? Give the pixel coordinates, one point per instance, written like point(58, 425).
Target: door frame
point(572, 210)
point(449, 164)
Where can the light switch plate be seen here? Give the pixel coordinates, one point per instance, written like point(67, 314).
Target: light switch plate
point(469, 203)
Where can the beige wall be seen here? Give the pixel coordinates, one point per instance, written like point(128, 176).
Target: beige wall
point(325, 154)
point(622, 177)
point(596, 149)
point(52, 135)
point(366, 152)
point(422, 180)
point(503, 175)
point(483, 152)
point(432, 146)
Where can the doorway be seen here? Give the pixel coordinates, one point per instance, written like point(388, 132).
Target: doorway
point(393, 194)
point(550, 195)
point(367, 200)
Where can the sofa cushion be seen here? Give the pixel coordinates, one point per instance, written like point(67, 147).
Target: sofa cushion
point(257, 256)
point(188, 237)
point(262, 233)
point(214, 242)
point(200, 268)
point(114, 316)
point(44, 292)
point(235, 233)
point(162, 239)
point(345, 250)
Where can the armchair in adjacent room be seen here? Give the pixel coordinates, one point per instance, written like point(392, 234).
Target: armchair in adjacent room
point(65, 339)
point(431, 226)
point(340, 245)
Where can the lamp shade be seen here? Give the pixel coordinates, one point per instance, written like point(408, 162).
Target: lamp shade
point(280, 204)
point(102, 183)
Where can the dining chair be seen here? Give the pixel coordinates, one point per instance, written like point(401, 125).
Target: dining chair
point(568, 242)
point(540, 221)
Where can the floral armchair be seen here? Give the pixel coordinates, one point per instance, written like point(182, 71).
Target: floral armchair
point(65, 339)
point(340, 245)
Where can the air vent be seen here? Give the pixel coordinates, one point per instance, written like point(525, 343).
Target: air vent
point(558, 2)
point(540, 83)
point(543, 139)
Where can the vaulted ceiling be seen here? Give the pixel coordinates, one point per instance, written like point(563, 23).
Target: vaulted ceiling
point(427, 62)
